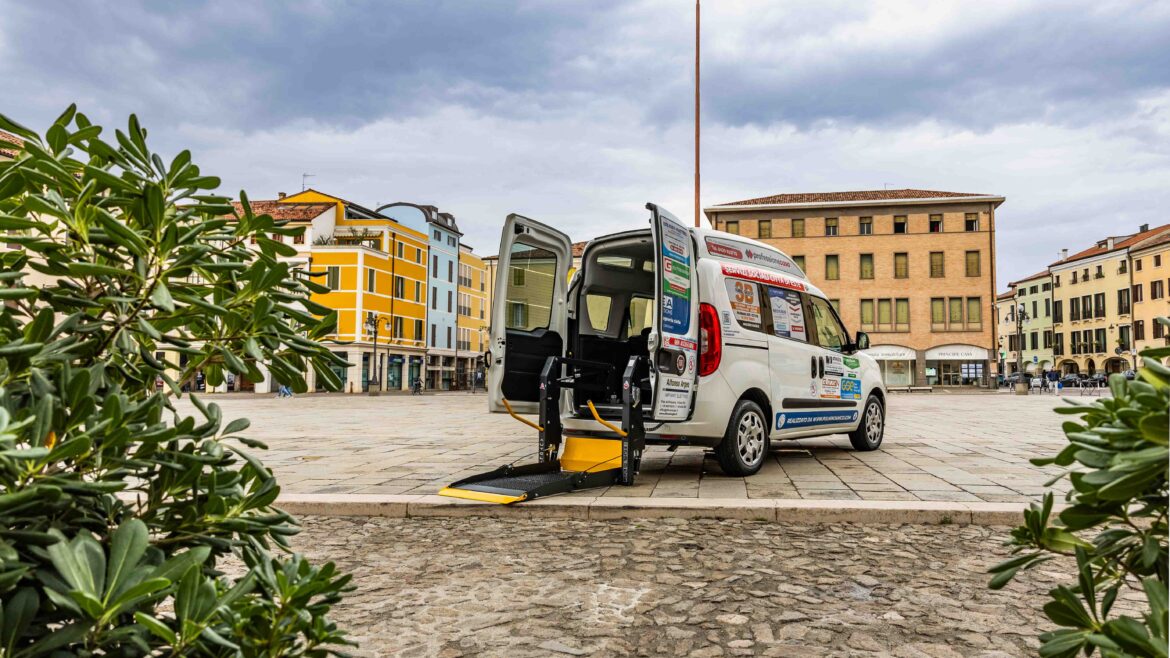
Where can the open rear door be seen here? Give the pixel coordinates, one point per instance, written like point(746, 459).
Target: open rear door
point(529, 318)
point(674, 341)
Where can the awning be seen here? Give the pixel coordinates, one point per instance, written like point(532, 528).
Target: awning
point(891, 353)
point(956, 353)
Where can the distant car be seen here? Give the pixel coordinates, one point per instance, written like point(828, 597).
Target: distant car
point(1130, 374)
point(1098, 379)
point(1070, 379)
point(1014, 378)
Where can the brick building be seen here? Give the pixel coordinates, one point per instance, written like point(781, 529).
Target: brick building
point(915, 269)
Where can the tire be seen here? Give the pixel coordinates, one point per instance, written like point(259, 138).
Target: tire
point(745, 443)
point(871, 429)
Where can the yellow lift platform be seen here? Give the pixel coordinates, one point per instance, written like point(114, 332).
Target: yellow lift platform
point(608, 458)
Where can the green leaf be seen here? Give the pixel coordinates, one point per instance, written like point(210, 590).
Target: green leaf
point(157, 628)
point(127, 545)
point(161, 297)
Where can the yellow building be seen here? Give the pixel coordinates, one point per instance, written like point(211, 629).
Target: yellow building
point(1092, 296)
point(472, 322)
point(1149, 268)
point(376, 270)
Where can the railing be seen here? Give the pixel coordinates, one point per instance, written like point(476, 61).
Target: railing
point(465, 310)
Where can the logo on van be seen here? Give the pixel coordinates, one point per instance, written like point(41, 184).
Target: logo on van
point(814, 418)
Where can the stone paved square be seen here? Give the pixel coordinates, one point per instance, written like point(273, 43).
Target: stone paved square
point(938, 447)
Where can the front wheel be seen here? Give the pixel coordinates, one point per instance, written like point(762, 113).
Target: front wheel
point(871, 429)
point(745, 443)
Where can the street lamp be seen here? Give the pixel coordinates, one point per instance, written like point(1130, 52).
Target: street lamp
point(372, 327)
point(1021, 317)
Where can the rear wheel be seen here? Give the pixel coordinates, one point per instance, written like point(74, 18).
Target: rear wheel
point(871, 429)
point(745, 444)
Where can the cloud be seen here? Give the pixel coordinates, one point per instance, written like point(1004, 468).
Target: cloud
point(579, 113)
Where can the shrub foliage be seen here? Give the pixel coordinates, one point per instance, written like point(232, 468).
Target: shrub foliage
point(1114, 524)
point(128, 527)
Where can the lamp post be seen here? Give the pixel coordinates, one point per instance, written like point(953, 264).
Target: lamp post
point(1021, 316)
point(372, 326)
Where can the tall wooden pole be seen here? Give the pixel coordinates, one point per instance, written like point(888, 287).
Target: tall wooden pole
point(697, 206)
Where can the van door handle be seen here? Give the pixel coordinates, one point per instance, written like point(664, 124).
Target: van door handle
point(821, 363)
point(814, 367)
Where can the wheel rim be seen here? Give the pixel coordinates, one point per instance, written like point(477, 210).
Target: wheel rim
point(873, 423)
point(750, 438)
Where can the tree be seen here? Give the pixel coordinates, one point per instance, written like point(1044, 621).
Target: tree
point(1115, 525)
point(120, 516)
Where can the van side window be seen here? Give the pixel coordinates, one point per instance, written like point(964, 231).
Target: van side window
point(828, 328)
point(641, 315)
point(787, 313)
point(745, 303)
point(598, 307)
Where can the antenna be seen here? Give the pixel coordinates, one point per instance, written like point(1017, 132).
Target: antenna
point(304, 179)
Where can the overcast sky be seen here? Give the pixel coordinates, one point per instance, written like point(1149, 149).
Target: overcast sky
point(577, 113)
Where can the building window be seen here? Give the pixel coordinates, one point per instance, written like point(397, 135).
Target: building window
point(1099, 305)
point(435, 265)
point(936, 223)
point(299, 238)
point(396, 328)
point(885, 313)
point(1035, 309)
point(832, 268)
point(902, 314)
point(1047, 339)
point(1058, 345)
point(1123, 339)
point(448, 337)
point(1047, 307)
point(450, 271)
point(518, 276)
point(418, 331)
point(1137, 265)
point(1138, 293)
point(1058, 311)
point(836, 304)
point(830, 226)
point(973, 264)
point(798, 228)
point(1157, 260)
point(867, 312)
point(1099, 340)
point(867, 266)
point(1034, 340)
point(438, 236)
point(399, 287)
point(732, 227)
point(937, 269)
point(971, 222)
point(765, 228)
point(799, 260)
point(333, 277)
point(418, 291)
point(1139, 329)
point(1121, 268)
point(371, 279)
point(901, 266)
point(1123, 301)
point(1159, 330)
point(865, 225)
point(899, 223)
point(1157, 290)
point(938, 318)
point(434, 299)
point(418, 256)
point(955, 319)
point(1074, 309)
point(975, 313)
point(1074, 277)
point(1099, 274)
point(450, 303)
point(401, 249)
point(434, 335)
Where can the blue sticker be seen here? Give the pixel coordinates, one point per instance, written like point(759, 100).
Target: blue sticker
point(814, 418)
point(850, 389)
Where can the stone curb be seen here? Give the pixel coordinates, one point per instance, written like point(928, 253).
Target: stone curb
point(782, 510)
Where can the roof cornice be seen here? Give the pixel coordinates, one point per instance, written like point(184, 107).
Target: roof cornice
point(847, 204)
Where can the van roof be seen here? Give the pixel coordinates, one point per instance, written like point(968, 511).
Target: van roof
point(750, 253)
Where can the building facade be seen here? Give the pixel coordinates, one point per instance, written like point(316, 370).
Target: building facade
point(474, 311)
point(1150, 272)
point(1032, 295)
point(915, 269)
point(1005, 328)
point(376, 272)
point(1092, 298)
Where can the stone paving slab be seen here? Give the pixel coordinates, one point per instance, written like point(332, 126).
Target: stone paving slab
point(940, 448)
point(520, 588)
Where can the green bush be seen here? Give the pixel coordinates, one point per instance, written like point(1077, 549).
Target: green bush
point(118, 513)
point(1114, 525)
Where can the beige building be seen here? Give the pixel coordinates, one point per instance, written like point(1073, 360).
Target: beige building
point(915, 269)
point(1150, 279)
point(1032, 294)
point(1092, 305)
point(1005, 329)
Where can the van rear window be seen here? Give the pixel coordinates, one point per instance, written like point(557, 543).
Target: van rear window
point(745, 303)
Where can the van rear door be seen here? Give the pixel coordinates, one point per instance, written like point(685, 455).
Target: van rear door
point(674, 340)
point(529, 318)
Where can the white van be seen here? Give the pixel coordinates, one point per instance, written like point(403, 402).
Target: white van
point(739, 348)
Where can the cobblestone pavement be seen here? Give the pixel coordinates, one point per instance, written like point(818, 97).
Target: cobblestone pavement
point(937, 447)
point(673, 587)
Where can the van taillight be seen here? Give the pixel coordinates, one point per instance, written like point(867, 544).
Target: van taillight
point(710, 340)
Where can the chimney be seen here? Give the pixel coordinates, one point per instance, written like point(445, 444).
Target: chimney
point(1109, 242)
point(1143, 228)
point(1063, 254)
point(280, 195)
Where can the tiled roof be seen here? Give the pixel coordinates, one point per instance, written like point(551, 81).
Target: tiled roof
point(838, 197)
point(1029, 278)
point(1155, 241)
point(301, 212)
point(11, 139)
point(1119, 242)
point(1006, 295)
point(579, 249)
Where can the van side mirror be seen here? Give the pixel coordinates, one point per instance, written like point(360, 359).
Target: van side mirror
point(862, 342)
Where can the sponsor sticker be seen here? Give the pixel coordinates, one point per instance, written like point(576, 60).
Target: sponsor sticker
point(834, 366)
point(830, 388)
point(797, 419)
point(763, 276)
point(851, 362)
point(850, 389)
